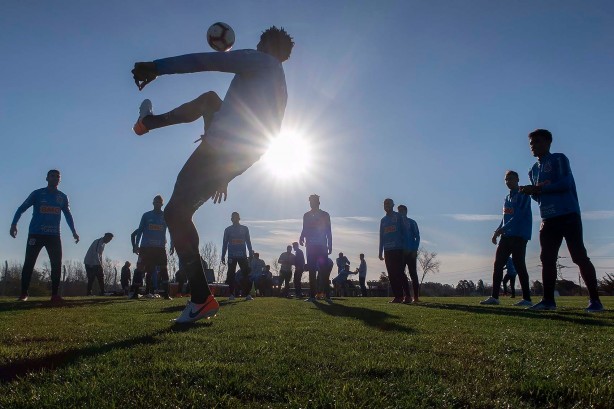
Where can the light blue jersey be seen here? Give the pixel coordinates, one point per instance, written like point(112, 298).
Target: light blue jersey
point(392, 233)
point(558, 195)
point(152, 230)
point(316, 229)
point(236, 237)
point(517, 217)
point(413, 234)
point(47, 206)
point(254, 105)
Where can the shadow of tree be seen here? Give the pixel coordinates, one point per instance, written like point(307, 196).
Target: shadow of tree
point(373, 318)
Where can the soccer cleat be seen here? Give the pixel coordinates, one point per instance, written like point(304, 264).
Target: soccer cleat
point(328, 300)
point(594, 306)
point(232, 297)
point(310, 299)
point(406, 300)
point(543, 306)
point(415, 301)
point(150, 295)
point(145, 109)
point(168, 297)
point(194, 312)
point(523, 303)
point(56, 299)
point(396, 300)
point(249, 298)
point(490, 301)
point(23, 297)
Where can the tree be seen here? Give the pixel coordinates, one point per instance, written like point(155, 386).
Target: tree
point(537, 287)
point(109, 268)
point(606, 284)
point(275, 265)
point(428, 262)
point(210, 254)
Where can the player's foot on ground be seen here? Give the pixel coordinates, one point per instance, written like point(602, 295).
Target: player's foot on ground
point(523, 303)
point(179, 295)
point(168, 297)
point(543, 306)
point(145, 109)
point(396, 300)
point(150, 295)
point(56, 299)
point(249, 298)
point(415, 301)
point(232, 297)
point(328, 300)
point(490, 301)
point(406, 300)
point(310, 299)
point(194, 312)
point(23, 297)
point(595, 306)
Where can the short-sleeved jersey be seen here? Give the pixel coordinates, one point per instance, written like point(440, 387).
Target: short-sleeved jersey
point(47, 206)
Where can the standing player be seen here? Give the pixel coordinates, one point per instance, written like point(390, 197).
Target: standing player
point(149, 242)
point(362, 275)
point(318, 234)
point(515, 232)
point(286, 261)
point(410, 255)
point(392, 241)
point(510, 276)
point(48, 203)
point(554, 189)
point(235, 138)
point(236, 238)
point(299, 267)
point(93, 263)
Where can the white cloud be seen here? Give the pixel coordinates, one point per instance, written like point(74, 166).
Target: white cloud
point(598, 215)
point(474, 217)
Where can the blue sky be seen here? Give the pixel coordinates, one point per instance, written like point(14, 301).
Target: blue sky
point(424, 102)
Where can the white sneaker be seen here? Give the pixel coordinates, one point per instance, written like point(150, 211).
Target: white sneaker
point(145, 109)
point(157, 295)
point(249, 298)
point(523, 303)
point(490, 301)
point(232, 297)
point(194, 312)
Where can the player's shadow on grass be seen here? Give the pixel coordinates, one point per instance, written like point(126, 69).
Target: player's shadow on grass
point(179, 308)
point(67, 303)
point(558, 315)
point(51, 362)
point(373, 318)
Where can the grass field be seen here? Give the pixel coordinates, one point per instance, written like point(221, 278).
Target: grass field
point(358, 353)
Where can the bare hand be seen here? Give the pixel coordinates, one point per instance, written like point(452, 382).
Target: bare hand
point(301, 242)
point(217, 196)
point(381, 258)
point(13, 231)
point(494, 239)
point(76, 237)
point(135, 250)
point(144, 73)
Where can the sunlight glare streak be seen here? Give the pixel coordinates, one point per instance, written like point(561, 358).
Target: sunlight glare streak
point(288, 156)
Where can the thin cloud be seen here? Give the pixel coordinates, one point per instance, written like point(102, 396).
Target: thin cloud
point(462, 217)
point(598, 215)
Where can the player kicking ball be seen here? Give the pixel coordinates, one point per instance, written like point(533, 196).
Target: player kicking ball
point(237, 134)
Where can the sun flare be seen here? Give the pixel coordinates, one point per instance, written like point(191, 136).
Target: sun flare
point(288, 156)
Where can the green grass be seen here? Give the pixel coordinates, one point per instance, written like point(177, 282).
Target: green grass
point(273, 353)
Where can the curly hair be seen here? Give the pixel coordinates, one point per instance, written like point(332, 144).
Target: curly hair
point(280, 41)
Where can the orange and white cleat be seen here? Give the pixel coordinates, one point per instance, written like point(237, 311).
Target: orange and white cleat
point(194, 312)
point(145, 109)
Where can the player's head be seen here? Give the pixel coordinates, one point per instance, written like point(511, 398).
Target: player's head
point(362, 256)
point(388, 205)
point(402, 209)
point(511, 179)
point(107, 237)
point(340, 255)
point(256, 255)
point(314, 201)
point(277, 42)
point(268, 267)
point(539, 142)
point(127, 264)
point(158, 202)
point(295, 245)
point(53, 178)
point(234, 217)
point(289, 249)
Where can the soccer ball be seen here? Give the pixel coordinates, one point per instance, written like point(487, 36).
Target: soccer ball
point(220, 36)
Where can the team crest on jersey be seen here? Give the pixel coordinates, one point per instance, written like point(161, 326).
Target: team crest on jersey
point(547, 167)
point(237, 241)
point(155, 227)
point(50, 210)
point(390, 229)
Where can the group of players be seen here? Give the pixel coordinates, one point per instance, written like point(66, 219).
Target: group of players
point(237, 133)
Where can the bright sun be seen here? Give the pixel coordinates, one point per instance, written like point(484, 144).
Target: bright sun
point(288, 156)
